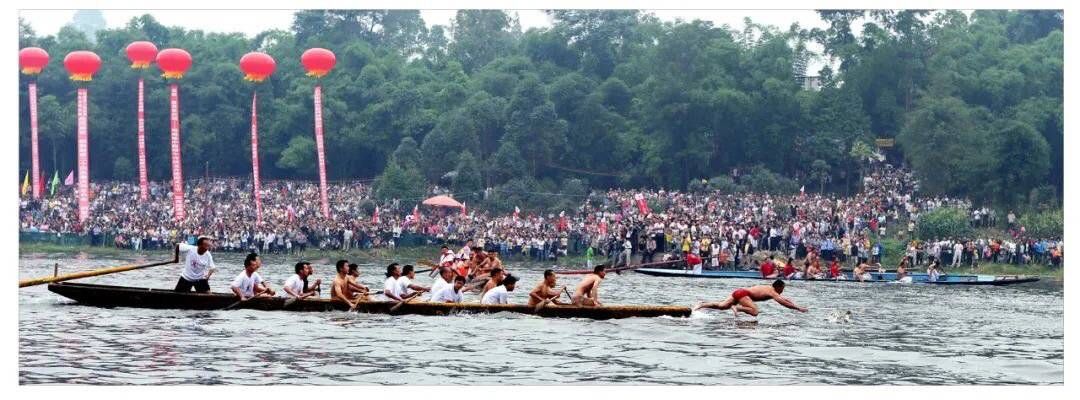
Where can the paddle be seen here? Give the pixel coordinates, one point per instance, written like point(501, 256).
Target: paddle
point(96, 272)
point(400, 303)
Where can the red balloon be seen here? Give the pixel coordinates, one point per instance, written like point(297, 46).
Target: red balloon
point(318, 62)
point(82, 65)
point(32, 60)
point(257, 66)
point(174, 62)
point(141, 54)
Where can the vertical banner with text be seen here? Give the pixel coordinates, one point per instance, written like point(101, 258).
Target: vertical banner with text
point(83, 152)
point(255, 159)
point(174, 140)
point(35, 173)
point(321, 154)
point(144, 190)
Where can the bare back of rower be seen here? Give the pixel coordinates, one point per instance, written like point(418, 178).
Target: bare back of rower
point(742, 299)
point(588, 291)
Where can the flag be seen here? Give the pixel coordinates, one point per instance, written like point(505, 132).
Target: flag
point(26, 183)
point(802, 191)
point(70, 180)
point(292, 213)
point(603, 228)
point(463, 208)
point(41, 187)
point(416, 213)
point(516, 212)
point(55, 182)
point(375, 216)
point(643, 206)
point(562, 221)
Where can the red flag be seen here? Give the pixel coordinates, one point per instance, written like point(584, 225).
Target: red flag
point(70, 180)
point(375, 216)
point(516, 212)
point(562, 221)
point(643, 206)
point(292, 214)
point(463, 208)
point(603, 228)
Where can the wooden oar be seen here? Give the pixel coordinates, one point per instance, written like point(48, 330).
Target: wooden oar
point(96, 272)
point(401, 303)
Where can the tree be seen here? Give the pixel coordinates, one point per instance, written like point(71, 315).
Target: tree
point(468, 181)
point(819, 171)
point(404, 184)
point(944, 222)
point(1025, 161)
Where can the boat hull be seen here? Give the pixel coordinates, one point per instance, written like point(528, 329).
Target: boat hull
point(122, 296)
point(875, 277)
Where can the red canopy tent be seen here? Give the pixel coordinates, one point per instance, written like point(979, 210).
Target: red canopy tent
point(443, 201)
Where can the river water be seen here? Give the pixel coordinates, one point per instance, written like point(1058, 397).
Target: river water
point(897, 334)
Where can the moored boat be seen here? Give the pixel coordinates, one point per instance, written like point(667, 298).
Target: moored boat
point(875, 277)
point(123, 296)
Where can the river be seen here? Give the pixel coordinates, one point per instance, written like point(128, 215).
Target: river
point(897, 334)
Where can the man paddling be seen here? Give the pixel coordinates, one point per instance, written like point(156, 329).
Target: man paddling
point(296, 286)
point(768, 269)
point(249, 283)
point(449, 293)
point(356, 290)
point(500, 294)
point(198, 266)
point(496, 279)
point(545, 291)
point(742, 299)
point(588, 291)
point(340, 289)
point(405, 283)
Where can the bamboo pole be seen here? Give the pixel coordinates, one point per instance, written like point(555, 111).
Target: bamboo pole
point(96, 272)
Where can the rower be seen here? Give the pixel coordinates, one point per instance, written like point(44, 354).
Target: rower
point(694, 262)
point(390, 288)
point(339, 291)
point(405, 283)
point(901, 270)
point(768, 269)
point(446, 257)
point(297, 287)
point(198, 266)
point(835, 272)
point(813, 271)
point(249, 284)
point(449, 293)
point(500, 294)
point(934, 270)
point(861, 273)
point(356, 289)
point(789, 269)
point(445, 278)
point(496, 279)
point(545, 290)
point(588, 291)
point(742, 299)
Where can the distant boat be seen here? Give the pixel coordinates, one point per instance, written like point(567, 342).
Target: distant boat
point(876, 277)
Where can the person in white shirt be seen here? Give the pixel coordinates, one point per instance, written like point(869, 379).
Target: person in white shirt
point(446, 276)
point(501, 293)
point(297, 287)
point(449, 293)
point(405, 283)
point(198, 266)
point(446, 257)
point(390, 287)
point(249, 284)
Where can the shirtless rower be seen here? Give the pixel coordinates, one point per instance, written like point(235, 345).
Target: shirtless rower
point(339, 291)
point(356, 289)
point(545, 290)
point(768, 269)
point(496, 279)
point(742, 299)
point(588, 291)
point(861, 273)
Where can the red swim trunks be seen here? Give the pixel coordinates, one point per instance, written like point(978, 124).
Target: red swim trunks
point(739, 293)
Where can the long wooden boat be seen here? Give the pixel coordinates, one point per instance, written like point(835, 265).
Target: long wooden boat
point(123, 296)
point(875, 277)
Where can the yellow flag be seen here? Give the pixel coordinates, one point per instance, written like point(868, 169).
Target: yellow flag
point(26, 183)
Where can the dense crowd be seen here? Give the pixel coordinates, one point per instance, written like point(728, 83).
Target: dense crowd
point(725, 229)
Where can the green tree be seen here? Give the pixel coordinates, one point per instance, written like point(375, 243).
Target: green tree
point(405, 184)
point(468, 181)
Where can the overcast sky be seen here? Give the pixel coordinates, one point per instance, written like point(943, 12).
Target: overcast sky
point(251, 22)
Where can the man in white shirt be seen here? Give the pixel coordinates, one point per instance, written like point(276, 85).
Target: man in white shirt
point(500, 294)
point(248, 283)
point(390, 288)
point(405, 283)
point(449, 293)
point(446, 276)
point(198, 266)
point(296, 286)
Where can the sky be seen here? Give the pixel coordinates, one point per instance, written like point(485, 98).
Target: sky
point(251, 22)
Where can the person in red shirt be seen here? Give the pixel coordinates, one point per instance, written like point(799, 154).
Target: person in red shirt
point(768, 269)
point(789, 269)
point(834, 270)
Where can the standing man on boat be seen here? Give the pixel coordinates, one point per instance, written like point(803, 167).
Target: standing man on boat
point(742, 299)
point(198, 266)
point(545, 290)
point(249, 283)
point(588, 291)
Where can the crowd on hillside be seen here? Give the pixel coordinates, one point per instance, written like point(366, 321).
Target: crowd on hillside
point(725, 229)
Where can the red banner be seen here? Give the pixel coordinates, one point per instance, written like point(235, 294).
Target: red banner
point(35, 174)
point(255, 158)
point(83, 150)
point(174, 139)
point(319, 150)
point(144, 189)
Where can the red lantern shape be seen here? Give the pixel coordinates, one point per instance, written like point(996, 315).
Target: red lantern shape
point(174, 63)
point(32, 60)
point(318, 62)
point(82, 65)
point(141, 54)
point(257, 66)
